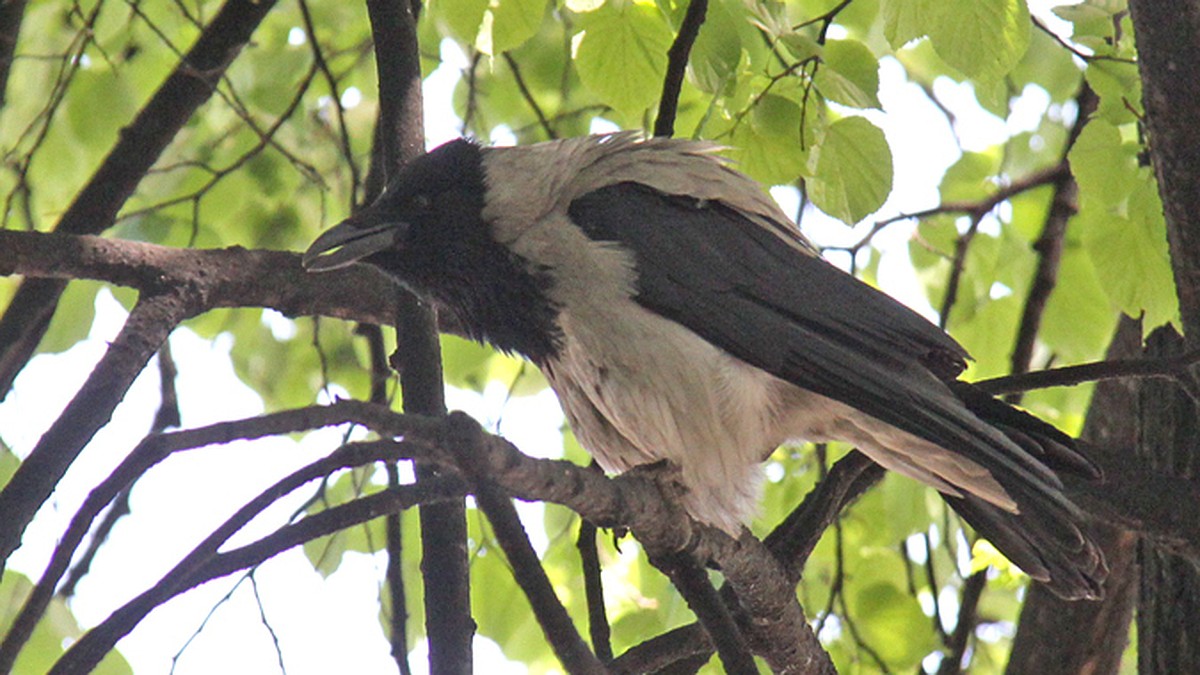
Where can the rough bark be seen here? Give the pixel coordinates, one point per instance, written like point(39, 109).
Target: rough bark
point(1057, 636)
point(399, 138)
point(1168, 37)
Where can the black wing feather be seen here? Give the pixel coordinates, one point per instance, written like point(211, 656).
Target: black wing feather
point(745, 289)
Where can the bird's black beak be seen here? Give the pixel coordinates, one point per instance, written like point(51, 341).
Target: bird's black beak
point(352, 240)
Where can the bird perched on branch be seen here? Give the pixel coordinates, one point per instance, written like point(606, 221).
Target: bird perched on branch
point(680, 315)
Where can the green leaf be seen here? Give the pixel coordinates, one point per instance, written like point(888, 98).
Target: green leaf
point(1104, 166)
point(771, 160)
point(717, 51)
point(801, 45)
point(893, 625)
point(1079, 321)
point(326, 553)
point(56, 629)
point(459, 19)
point(1121, 220)
point(849, 74)
point(981, 38)
point(465, 364)
point(970, 178)
point(72, 319)
point(852, 170)
point(907, 20)
point(8, 464)
point(508, 24)
point(1119, 89)
point(1130, 256)
point(622, 55)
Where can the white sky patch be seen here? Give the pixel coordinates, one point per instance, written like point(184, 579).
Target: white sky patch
point(441, 122)
point(602, 126)
point(351, 97)
point(502, 136)
point(281, 327)
point(977, 128)
point(1027, 110)
point(296, 36)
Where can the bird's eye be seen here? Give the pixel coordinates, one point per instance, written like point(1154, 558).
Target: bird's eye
point(421, 202)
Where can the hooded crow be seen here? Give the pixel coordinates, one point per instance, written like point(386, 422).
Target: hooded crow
point(680, 315)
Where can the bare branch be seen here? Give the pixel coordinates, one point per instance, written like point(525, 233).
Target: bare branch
point(1049, 246)
point(547, 128)
point(149, 452)
point(148, 325)
point(204, 563)
point(974, 209)
point(968, 606)
point(466, 441)
point(1176, 367)
point(598, 628)
point(677, 61)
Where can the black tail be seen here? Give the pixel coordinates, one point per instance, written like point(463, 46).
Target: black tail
point(1048, 539)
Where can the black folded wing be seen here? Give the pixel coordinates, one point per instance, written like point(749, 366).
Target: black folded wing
point(774, 304)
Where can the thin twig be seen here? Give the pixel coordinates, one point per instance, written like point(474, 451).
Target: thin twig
point(1173, 367)
point(589, 555)
point(528, 96)
point(952, 662)
point(1049, 247)
point(978, 208)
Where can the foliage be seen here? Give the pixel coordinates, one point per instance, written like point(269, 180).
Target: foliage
point(801, 93)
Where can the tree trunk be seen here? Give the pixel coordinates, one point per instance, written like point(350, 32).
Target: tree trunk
point(1168, 37)
point(1057, 636)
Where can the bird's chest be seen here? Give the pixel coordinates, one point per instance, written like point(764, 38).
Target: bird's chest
point(639, 388)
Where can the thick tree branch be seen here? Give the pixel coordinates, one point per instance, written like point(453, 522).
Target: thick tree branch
point(790, 543)
point(400, 138)
point(232, 277)
point(1169, 436)
point(1169, 64)
point(167, 416)
point(1058, 636)
point(138, 147)
point(1049, 244)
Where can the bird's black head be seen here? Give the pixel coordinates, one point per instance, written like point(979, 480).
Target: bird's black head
point(425, 211)
point(427, 230)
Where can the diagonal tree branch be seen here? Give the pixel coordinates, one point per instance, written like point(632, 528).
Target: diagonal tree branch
point(677, 61)
point(149, 452)
point(91, 648)
point(465, 442)
point(148, 325)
